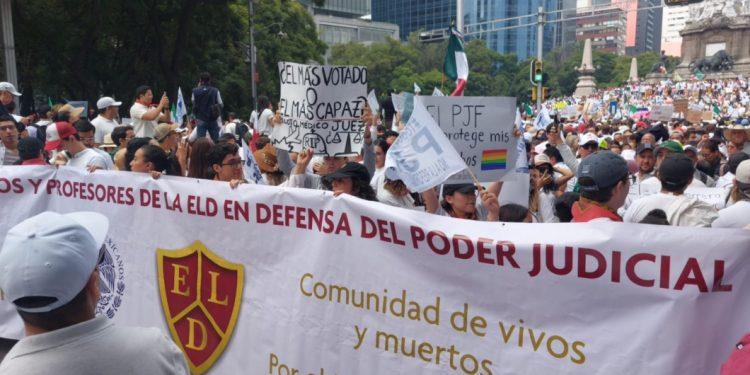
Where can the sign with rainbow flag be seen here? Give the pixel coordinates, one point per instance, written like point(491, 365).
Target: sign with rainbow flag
point(481, 130)
point(494, 160)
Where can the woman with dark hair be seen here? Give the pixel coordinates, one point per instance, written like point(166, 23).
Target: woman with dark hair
point(151, 159)
point(381, 149)
point(544, 190)
point(460, 201)
point(133, 146)
point(515, 213)
point(353, 179)
point(395, 193)
point(564, 206)
point(198, 164)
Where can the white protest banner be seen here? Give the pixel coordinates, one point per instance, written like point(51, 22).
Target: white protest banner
point(296, 279)
point(662, 112)
point(569, 112)
point(715, 196)
point(422, 157)
point(321, 108)
point(372, 101)
point(481, 130)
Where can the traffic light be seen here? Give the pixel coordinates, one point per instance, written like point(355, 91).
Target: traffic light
point(533, 93)
point(544, 93)
point(537, 71)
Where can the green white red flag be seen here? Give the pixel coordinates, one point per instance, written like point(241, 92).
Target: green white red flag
point(456, 65)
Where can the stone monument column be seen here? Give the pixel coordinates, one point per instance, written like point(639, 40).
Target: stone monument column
point(586, 81)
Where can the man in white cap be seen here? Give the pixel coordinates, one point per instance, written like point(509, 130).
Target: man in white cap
point(48, 270)
point(7, 92)
point(105, 121)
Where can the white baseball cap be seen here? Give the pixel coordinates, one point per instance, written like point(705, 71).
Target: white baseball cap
point(106, 102)
point(588, 138)
point(7, 86)
point(51, 255)
point(743, 172)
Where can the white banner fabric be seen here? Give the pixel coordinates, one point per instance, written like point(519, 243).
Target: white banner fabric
point(339, 285)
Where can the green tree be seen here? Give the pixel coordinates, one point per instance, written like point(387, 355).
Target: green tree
point(83, 49)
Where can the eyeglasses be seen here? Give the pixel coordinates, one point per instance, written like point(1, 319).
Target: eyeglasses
point(236, 163)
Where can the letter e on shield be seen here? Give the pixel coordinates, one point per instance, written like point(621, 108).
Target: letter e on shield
point(201, 294)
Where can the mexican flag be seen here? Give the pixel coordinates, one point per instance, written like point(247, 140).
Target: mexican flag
point(528, 109)
point(456, 66)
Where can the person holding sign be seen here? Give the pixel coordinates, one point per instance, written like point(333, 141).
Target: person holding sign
point(226, 164)
point(352, 179)
point(460, 201)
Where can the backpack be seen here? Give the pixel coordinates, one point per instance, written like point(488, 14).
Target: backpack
point(216, 107)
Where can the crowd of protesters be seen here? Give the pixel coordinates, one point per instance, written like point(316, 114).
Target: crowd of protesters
point(585, 164)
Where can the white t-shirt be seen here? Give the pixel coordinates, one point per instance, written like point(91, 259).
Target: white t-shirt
point(547, 208)
point(681, 210)
point(734, 216)
point(103, 127)
point(96, 346)
point(264, 126)
point(87, 158)
point(378, 179)
point(725, 181)
point(107, 158)
point(141, 127)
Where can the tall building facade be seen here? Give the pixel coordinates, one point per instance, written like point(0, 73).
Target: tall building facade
point(605, 23)
point(648, 27)
point(414, 15)
point(344, 21)
point(674, 20)
point(340, 8)
point(507, 37)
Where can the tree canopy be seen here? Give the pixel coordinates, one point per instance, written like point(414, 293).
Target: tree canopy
point(83, 49)
point(395, 66)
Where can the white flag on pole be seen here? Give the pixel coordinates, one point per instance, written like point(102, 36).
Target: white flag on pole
point(422, 156)
point(519, 121)
point(251, 169)
point(417, 89)
point(180, 109)
point(372, 101)
point(542, 119)
point(437, 92)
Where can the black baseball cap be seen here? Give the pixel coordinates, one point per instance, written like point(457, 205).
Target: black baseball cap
point(676, 170)
point(352, 170)
point(449, 189)
point(601, 171)
point(644, 147)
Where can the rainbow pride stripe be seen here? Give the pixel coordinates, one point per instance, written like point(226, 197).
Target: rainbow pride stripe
point(494, 159)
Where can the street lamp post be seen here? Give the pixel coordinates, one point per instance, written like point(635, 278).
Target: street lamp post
point(253, 55)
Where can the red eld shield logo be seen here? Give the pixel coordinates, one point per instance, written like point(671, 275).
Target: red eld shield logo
point(201, 294)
